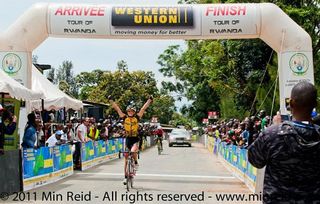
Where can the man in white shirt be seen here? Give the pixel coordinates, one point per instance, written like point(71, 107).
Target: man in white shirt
point(81, 137)
point(82, 130)
point(64, 137)
point(54, 139)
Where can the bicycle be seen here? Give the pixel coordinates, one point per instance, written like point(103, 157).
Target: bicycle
point(130, 170)
point(159, 145)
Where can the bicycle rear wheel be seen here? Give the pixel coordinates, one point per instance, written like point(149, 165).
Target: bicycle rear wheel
point(131, 183)
point(159, 148)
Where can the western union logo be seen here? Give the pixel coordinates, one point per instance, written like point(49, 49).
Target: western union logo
point(152, 16)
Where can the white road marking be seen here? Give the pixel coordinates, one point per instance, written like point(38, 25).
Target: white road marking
point(163, 175)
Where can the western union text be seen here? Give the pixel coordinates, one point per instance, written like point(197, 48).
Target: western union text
point(146, 11)
point(152, 16)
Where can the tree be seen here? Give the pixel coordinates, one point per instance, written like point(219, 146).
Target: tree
point(162, 107)
point(234, 69)
point(305, 13)
point(51, 75)
point(64, 86)
point(125, 87)
point(239, 74)
point(179, 119)
point(87, 81)
point(217, 74)
point(207, 70)
point(66, 76)
point(248, 60)
point(122, 66)
point(192, 81)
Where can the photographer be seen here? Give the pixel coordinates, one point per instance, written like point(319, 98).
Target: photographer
point(7, 126)
point(291, 152)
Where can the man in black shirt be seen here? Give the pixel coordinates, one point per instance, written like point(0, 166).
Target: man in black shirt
point(7, 126)
point(291, 153)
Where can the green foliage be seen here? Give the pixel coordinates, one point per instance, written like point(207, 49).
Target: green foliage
point(125, 87)
point(122, 66)
point(247, 63)
point(162, 107)
point(66, 79)
point(87, 81)
point(229, 108)
point(307, 14)
point(64, 86)
point(208, 70)
point(191, 72)
point(226, 74)
point(179, 119)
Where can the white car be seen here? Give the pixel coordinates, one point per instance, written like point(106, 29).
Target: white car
point(179, 137)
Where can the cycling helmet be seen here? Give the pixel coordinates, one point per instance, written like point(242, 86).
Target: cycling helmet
point(131, 107)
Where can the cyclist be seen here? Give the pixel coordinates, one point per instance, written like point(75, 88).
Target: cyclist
point(131, 126)
point(142, 135)
point(159, 136)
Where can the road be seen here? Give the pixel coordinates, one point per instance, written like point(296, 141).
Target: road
point(179, 174)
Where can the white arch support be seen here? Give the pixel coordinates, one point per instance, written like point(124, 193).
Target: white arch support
point(211, 21)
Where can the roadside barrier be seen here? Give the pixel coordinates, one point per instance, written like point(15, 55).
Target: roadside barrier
point(50, 164)
point(94, 153)
point(46, 165)
point(235, 159)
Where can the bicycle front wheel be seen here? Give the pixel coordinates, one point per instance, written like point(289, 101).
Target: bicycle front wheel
point(132, 172)
point(128, 174)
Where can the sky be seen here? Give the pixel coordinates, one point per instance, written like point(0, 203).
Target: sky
point(90, 54)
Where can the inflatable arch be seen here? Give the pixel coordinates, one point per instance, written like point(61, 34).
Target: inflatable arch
point(203, 21)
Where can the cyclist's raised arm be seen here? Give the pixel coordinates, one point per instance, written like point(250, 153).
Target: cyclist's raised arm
point(116, 107)
point(145, 106)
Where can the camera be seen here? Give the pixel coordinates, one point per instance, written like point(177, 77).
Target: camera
point(285, 118)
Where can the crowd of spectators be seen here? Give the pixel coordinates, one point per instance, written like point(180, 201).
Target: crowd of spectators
point(75, 132)
point(82, 130)
point(240, 133)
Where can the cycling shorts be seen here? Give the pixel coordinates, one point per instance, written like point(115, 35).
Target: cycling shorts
point(130, 141)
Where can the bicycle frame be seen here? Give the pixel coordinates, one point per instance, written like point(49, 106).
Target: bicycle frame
point(159, 146)
point(130, 168)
